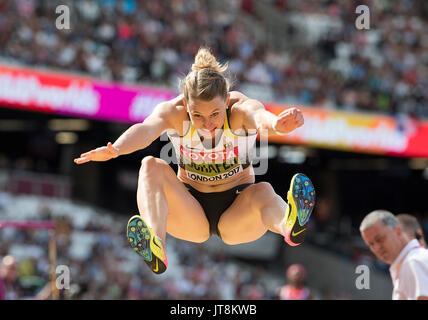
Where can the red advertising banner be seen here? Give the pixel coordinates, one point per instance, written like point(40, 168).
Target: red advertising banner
point(77, 96)
point(358, 132)
point(86, 97)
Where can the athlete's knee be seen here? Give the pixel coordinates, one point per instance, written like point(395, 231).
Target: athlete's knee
point(264, 188)
point(201, 237)
point(231, 241)
point(199, 234)
point(151, 166)
point(148, 161)
point(261, 195)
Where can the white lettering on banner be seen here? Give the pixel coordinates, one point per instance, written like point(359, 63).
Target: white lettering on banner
point(27, 89)
point(142, 106)
point(337, 131)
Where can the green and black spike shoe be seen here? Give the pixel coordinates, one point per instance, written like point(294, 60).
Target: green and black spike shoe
point(146, 244)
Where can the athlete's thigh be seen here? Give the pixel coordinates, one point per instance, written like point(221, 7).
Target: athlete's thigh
point(242, 221)
point(186, 218)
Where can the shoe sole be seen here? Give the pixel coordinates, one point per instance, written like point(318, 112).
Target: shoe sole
point(301, 202)
point(139, 238)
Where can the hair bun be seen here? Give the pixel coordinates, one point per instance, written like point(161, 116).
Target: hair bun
point(205, 60)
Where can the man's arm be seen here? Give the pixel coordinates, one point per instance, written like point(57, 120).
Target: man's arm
point(257, 117)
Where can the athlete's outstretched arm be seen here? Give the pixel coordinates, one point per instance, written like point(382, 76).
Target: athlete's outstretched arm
point(136, 137)
point(257, 117)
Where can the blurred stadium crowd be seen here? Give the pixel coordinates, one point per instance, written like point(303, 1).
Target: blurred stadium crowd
point(91, 243)
point(383, 69)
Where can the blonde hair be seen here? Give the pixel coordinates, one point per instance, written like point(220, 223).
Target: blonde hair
point(206, 80)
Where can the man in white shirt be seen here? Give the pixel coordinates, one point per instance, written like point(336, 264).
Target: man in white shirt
point(382, 232)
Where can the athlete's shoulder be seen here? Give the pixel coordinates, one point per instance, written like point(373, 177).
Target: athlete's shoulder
point(172, 106)
point(236, 101)
point(172, 109)
point(239, 110)
point(240, 103)
point(173, 112)
point(237, 96)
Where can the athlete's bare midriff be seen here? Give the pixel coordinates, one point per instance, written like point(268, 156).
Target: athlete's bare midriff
point(246, 176)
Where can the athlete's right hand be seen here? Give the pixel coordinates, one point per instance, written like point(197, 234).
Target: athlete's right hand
point(99, 154)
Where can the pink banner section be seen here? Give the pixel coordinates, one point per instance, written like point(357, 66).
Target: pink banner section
point(28, 224)
point(77, 96)
point(84, 97)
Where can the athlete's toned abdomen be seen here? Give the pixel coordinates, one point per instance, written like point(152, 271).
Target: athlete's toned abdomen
point(246, 176)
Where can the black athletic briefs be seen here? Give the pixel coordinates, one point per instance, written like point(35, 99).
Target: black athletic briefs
point(215, 203)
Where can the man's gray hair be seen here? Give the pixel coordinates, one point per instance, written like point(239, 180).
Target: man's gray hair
point(387, 218)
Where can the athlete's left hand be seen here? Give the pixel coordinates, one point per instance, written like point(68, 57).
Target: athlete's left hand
point(288, 120)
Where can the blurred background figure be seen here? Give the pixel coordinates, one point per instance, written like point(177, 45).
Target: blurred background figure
point(295, 289)
point(9, 288)
point(382, 232)
point(412, 228)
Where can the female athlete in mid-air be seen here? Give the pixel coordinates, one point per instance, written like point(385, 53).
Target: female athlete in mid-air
point(212, 131)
